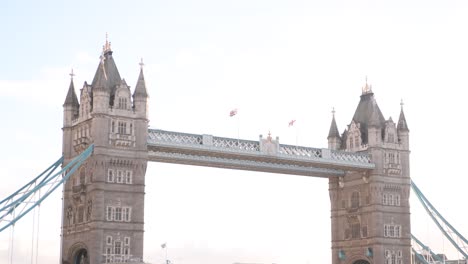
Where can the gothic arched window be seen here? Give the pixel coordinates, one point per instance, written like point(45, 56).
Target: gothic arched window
point(82, 176)
point(355, 199)
point(356, 230)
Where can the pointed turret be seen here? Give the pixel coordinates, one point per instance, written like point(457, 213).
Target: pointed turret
point(402, 129)
point(402, 125)
point(71, 98)
point(334, 139)
point(333, 132)
point(140, 96)
point(140, 89)
point(71, 108)
point(71, 105)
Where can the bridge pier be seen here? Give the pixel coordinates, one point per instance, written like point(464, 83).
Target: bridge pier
point(370, 211)
point(103, 202)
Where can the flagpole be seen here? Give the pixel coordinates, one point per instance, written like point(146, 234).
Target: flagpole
point(232, 114)
point(291, 123)
point(164, 246)
point(296, 137)
point(238, 131)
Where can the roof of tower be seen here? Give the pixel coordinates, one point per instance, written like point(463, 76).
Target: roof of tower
point(71, 98)
point(140, 89)
point(368, 114)
point(333, 132)
point(402, 125)
point(368, 110)
point(107, 69)
point(100, 80)
point(374, 120)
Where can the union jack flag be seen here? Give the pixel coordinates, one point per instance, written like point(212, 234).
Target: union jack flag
point(291, 123)
point(233, 112)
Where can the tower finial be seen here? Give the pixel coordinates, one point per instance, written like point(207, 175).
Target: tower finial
point(367, 88)
point(141, 63)
point(72, 74)
point(333, 111)
point(107, 45)
point(402, 104)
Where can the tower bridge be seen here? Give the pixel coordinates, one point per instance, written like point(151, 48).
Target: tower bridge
point(367, 167)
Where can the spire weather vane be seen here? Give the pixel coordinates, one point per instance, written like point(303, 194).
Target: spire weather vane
point(107, 46)
point(367, 88)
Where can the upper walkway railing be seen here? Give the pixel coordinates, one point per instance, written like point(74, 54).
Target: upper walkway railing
point(208, 150)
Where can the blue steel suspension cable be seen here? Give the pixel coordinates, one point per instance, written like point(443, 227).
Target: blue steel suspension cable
point(420, 257)
point(430, 209)
point(424, 247)
point(52, 167)
point(48, 177)
point(10, 200)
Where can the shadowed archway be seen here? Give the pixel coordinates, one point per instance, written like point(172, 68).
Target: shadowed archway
point(361, 262)
point(81, 257)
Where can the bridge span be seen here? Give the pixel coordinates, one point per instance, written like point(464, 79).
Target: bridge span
point(265, 155)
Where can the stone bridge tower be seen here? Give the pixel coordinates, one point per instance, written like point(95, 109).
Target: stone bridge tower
point(370, 212)
point(103, 201)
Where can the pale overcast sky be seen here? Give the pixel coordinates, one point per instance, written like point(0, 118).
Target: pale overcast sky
point(274, 61)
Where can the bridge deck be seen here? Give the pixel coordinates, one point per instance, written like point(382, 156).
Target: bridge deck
point(265, 155)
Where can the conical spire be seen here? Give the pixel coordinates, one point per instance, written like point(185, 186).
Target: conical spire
point(140, 89)
point(374, 120)
point(107, 69)
point(100, 79)
point(402, 125)
point(368, 111)
point(71, 98)
point(333, 133)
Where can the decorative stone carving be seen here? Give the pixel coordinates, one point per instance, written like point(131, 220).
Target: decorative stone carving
point(269, 146)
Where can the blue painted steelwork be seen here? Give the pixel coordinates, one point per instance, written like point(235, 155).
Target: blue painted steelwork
point(22, 199)
point(449, 230)
point(419, 256)
point(434, 256)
